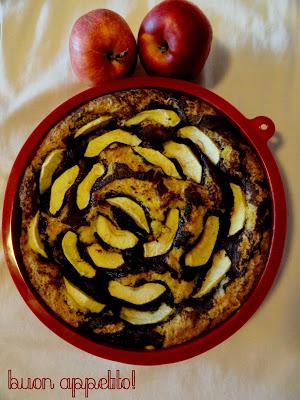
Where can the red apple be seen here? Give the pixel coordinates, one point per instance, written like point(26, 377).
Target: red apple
point(102, 47)
point(174, 40)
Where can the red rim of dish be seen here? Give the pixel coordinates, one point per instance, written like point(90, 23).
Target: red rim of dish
point(257, 131)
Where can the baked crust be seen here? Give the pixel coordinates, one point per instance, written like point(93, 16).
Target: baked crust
point(127, 173)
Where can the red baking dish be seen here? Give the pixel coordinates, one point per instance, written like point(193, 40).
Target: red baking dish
point(257, 131)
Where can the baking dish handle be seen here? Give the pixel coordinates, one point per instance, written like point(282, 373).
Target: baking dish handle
point(264, 126)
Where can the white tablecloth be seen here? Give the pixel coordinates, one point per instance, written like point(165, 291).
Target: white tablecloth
point(255, 64)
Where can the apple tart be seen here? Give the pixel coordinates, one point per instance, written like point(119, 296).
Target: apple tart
point(146, 219)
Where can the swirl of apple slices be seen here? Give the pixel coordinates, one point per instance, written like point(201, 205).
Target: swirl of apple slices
point(104, 259)
point(115, 237)
point(189, 163)
point(167, 118)
point(220, 266)
point(49, 166)
point(85, 186)
point(82, 300)
point(238, 213)
point(34, 240)
point(60, 187)
point(137, 317)
point(156, 158)
point(136, 295)
point(69, 246)
point(164, 242)
point(133, 209)
point(202, 141)
point(201, 252)
point(92, 125)
point(97, 145)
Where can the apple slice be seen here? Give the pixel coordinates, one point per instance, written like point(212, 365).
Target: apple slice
point(156, 158)
point(85, 186)
point(115, 237)
point(98, 144)
point(103, 258)
point(164, 242)
point(167, 118)
point(136, 295)
point(238, 213)
point(137, 317)
point(85, 302)
point(96, 123)
point(49, 166)
point(200, 254)
point(60, 186)
point(220, 265)
point(188, 161)
point(69, 246)
point(134, 210)
point(34, 239)
point(206, 145)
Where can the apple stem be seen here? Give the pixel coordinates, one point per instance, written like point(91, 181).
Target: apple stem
point(163, 47)
point(117, 57)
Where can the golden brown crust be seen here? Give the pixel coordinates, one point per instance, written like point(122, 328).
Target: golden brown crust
point(238, 161)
